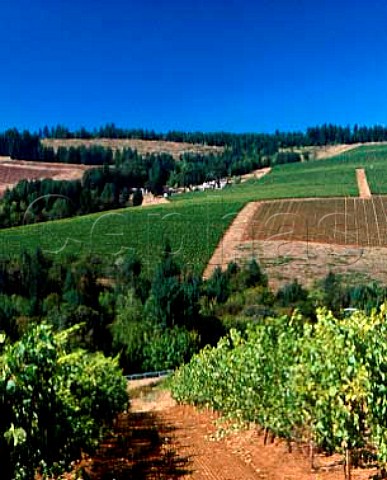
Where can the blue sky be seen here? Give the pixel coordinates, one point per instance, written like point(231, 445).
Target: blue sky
point(235, 65)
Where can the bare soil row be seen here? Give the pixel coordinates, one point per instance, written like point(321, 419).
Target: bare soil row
point(158, 439)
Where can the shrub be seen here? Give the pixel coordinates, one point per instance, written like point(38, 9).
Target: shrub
point(170, 348)
point(53, 402)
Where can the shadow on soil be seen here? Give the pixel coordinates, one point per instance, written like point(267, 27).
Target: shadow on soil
point(139, 448)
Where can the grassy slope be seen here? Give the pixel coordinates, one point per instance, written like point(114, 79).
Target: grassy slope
point(371, 157)
point(323, 178)
point(195, 222)
point(194, 231)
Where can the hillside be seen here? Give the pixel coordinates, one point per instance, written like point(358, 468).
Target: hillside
point(289, 228)
point(144, 147)
point(194, 222)
point(12, 171)
point(193, 230)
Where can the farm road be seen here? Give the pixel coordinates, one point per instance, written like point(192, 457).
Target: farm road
point(225, 252)
point(160, 440)
point(364, 189)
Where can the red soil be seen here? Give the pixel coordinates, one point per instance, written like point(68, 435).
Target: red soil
point(161, 440)
point(12, 171)
point(364, 189)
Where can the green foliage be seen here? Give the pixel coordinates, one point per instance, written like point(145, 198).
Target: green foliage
point(325, 381)
point(147, 342)
point(217, 287)
point(249, 275)
point(366, 297)
point(174, 296)
point(53, 402)
point(130, 331)
point(193, 230)
point(137, 198)
point(332, 292)
point(169, 348)
point(291, 294)
point(286, 157)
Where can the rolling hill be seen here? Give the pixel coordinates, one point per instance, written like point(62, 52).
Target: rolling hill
point(195, 222)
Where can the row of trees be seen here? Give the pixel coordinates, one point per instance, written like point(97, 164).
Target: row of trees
point(318, 135)
point(41, 200)
point(28, 146)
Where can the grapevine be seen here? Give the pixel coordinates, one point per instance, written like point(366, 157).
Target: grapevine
point(325, 382)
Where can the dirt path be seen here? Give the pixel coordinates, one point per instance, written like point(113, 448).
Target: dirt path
point(332, 150)
point(256, 174)
point(150, 200)
point(190, 436)
point(193, 438)
point(362, 183)
point(160, 440)
point(225, 251)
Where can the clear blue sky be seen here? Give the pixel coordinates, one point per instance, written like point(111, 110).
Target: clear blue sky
point(236, 65)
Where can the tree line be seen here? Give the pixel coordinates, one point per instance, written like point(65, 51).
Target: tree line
point(33, 201)
point(27, 146)
point(156, 319)
point(324, 134)
point(119, 182)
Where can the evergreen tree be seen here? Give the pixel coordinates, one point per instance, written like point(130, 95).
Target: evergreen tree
point(137, 198)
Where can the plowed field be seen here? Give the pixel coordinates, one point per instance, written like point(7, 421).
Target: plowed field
point(306, 239)
point(12, 171)
point(341, 221)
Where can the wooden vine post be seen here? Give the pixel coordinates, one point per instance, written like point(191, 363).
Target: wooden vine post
point(347, 464)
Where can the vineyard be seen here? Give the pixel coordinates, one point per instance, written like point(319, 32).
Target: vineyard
point(342, 221)
point(283, 374)
point(287, 377)
point(332, 177)
point(193, 231)
point(301, 180)
point(194, 222)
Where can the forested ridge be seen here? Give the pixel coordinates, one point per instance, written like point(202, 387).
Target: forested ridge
point(27, 146)
point(316, 135)
point(123, 172)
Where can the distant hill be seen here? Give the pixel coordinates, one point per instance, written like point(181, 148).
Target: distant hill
point(143, 147)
